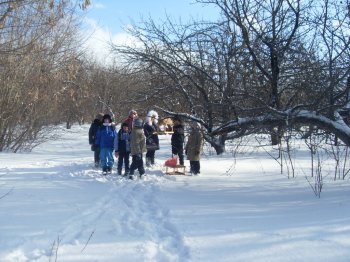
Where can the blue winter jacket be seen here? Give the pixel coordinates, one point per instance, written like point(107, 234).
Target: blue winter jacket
point(105, 136)
point(122, 142)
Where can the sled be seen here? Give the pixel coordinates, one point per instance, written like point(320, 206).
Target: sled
point(175, 170)
point(172, 168)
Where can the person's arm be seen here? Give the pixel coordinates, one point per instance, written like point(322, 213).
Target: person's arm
point(98, 137)
point(91, 137)
point(116, 144)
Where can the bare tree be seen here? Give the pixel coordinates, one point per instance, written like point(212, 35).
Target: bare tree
point(37, 37)
point(298, 39)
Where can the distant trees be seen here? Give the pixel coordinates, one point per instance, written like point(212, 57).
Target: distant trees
point(109, 90)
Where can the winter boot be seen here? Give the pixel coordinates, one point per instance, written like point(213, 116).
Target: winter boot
point(104, 171)
point(119, 172)
point(131, 175)
point(148, 161)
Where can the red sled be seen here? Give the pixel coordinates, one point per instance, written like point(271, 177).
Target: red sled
point(172, 168)
point(171, 162)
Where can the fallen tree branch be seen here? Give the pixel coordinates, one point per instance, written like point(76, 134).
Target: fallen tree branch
point(287, 119)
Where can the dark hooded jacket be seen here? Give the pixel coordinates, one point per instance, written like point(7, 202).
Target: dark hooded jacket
point(95, 125)
point(177, 139)
point(152, 140)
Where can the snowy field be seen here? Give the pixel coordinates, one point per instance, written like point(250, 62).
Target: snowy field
point(54, 206)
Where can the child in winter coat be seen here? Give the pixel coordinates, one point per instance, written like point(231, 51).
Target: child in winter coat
point(194, 147)
point(177, 140)
point(105, 140)
point(95, 125)
point(152, 140)
point(122, 148)
point(137, 148)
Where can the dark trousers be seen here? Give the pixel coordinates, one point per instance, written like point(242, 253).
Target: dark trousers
point(97, 154)
point(123, 158)
point(150, 156)
point(195, 167)
point(180, 154)
point(137, 163)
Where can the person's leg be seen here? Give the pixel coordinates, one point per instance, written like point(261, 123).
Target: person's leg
point(103, 159)
point(196, 167)
point(126, 162)
point(120, 164)
point(110, 159)
point(148, 158)
point(192, 167)
point(152, 155)
point(181, 157)
point(97, 156)
point(133, 166)
point(140, 167)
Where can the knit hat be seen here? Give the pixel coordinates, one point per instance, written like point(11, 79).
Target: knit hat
point(178, 119)
point(138, 123)
point(132, 112)
point(152, 114)
point(107, 116)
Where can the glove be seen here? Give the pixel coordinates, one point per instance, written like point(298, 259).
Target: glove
point(116, 154)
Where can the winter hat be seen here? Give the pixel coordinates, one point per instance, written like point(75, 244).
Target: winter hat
point(138, 123)
point(132, 112)
point(125, 124)
point(152, 114)
point(107, 116)
point(178, 119)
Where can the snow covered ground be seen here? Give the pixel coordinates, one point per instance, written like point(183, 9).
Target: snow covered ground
point(54, 206)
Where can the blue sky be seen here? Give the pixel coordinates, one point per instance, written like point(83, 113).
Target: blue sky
point(105, 19)
point(113, 14)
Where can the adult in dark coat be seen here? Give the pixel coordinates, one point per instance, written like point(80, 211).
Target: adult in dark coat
point(95, 125)
point(177, 140)
point(152, 140)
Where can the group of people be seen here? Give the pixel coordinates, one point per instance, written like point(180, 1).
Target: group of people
point(136, 137)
